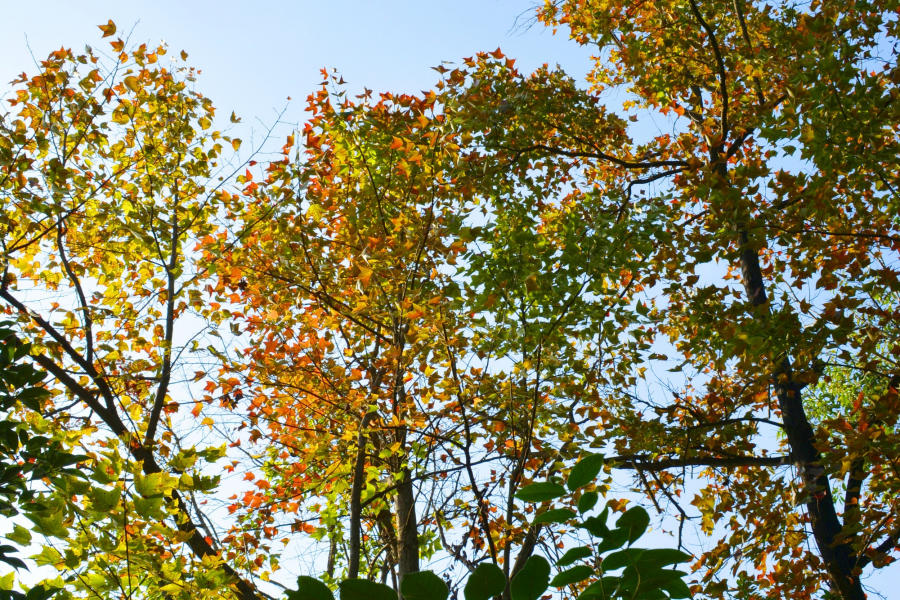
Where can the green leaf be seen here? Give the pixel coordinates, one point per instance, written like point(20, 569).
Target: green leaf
point(154, 484)
point(540, 492)
point(363, 589)
point(587, 501)
point(573, 575)
point(148, 508)
point(532, 581)
point(559, 515)
point(661, 557)
point(584, 471)
point(423, 585)
point(572, 555)
point(612, 540)
point(310, 588)
point(104, 501)
point(622, 558)
point(601, 589)
point(596, 525)
point(19, 535)
point(635, 520)
point(49, 522)
point(47, 556)
point(485, 582)
point(677, 588)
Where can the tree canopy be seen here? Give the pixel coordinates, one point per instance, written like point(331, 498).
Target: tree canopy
point(456, 330)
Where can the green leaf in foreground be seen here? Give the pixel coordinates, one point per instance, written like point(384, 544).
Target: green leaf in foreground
point(573, 575)
point(572, 555)
point(541, 492)
point(363, 589)
point(584, 471)
point(635, 520)
point(485, 582)
point(531, 582)
point(423, 585)
point(559, 515)
point(310, 588)
point(587, 501)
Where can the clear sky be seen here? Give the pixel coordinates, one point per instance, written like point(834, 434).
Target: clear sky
point(254, 55)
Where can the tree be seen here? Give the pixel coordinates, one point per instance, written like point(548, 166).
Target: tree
point(109, 172)
point(25, 458)
point(771, 214)
point(423, 320)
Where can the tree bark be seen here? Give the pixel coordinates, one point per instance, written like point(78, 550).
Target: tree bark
point(839, 559)
point(359, 471)
point(408, 535)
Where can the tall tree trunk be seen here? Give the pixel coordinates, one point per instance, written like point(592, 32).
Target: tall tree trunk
point(524, 554)
point(359, 471)
point(408, 534)
point(839, 559)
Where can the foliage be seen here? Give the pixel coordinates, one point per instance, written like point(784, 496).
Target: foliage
point(644, 575)
point(25, 458)
point(435, 326)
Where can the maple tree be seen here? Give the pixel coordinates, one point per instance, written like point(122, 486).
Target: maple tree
point(430, 311)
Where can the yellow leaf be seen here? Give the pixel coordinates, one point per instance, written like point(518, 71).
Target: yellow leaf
point(184, 55)
point(236, 144)
point(132, 83)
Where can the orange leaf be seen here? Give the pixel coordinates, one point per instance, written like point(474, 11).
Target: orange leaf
point(397, 144)
point(108, 29)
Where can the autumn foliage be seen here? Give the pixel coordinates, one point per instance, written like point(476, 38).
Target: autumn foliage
point(381, 347)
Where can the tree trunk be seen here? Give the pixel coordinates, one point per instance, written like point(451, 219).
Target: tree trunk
point(839, 559)
point(408, 534)
point(359, 471)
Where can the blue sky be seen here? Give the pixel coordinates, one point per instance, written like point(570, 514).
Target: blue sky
point(253, 57)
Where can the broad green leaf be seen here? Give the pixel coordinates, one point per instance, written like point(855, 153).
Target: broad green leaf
point(148, 508)
point(49, 522)
point(19, 535)
point(602, 589)
point(310, 588)
point(540, 492)
point(485, 582)
point(7, 581)
point(531, 582)
point(104, 501)
point(621, 558)
point(573, 575)
point(587, 501)
point(572, 555)
point(154, 484)
point(363, 589)
point(635, 520)
point(676, 588)
point(558, 515)
point(423, 585)
point(47, 556)
point(661, 557)
point(584, 471)
point(612, 540)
